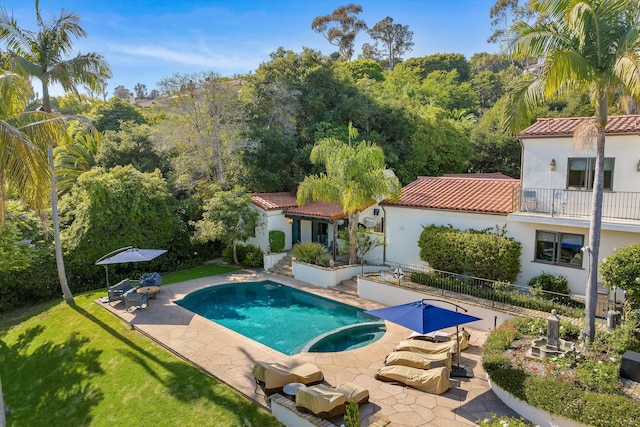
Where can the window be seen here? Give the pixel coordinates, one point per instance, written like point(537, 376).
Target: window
point(559, 248)
point(582, 172)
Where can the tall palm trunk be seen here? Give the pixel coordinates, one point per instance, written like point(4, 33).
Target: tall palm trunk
point(62, 275)
point(595, 224)
point(353, 254)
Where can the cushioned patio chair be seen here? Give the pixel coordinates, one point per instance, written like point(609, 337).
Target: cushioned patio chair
point(272, 377)
point(420, 346)
point(133, 299)
point(329, 402)
point(418, 360)
point(117, 291)
point(434, 380)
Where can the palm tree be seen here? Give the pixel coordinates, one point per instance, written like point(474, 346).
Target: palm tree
point(355, 178)
point(587, 44)
point(23, 137)
point(74, 160)
point(43, 55)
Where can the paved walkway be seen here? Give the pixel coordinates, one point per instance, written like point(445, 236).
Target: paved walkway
point(229, 357)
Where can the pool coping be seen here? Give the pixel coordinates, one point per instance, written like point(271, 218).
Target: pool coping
point(229, 356)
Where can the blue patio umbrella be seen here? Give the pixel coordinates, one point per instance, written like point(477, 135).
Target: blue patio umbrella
point(422, 317)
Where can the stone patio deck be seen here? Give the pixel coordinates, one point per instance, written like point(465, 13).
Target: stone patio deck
point(229, 356)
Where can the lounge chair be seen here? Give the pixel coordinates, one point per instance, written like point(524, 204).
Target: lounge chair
point(117, 291)
point(133, 299)
point(329, 402)
point(439, 336)
point(420, 346)
point(434, 380)
point(273, 376)
point(418, 360)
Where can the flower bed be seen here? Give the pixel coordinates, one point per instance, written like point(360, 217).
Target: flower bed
point(583, 386)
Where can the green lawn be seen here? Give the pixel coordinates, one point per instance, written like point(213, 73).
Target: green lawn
point(81, 366)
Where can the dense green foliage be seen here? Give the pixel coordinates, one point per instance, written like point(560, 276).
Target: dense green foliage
point(311, 253)
point(483, 254)
point(131, 145)
point(548, 286)
point(276, 240)
point(622, 269)
point(576, 400)
point(229, 217)
point(122, 207)
point(110, 115)
point(493, 291)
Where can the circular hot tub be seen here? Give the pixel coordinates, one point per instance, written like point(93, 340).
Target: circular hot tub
point(346, 338)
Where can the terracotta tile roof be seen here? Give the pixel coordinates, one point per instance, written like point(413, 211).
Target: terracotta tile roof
point(490, 193)
point(566, 126)
point(270, 201)
point(288, 203)
point(318, 209)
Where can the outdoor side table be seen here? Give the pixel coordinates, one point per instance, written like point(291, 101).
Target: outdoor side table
point(152, 291)
point(290, 389)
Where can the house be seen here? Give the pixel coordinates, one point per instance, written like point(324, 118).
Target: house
point(547, 210)
point(464, 201)
point(314, 222)
point(552, 209)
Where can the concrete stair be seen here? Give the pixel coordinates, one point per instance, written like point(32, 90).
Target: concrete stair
point(349, 286)
point(283, 267)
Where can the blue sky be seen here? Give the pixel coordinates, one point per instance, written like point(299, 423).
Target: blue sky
point(145, 41)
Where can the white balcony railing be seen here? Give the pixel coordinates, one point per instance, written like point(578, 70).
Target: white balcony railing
point(616, 205)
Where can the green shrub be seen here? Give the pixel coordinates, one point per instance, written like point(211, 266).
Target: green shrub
point(227, 253)
point(311, 253)
point(547, 285)
point(481, 253)
point(469, 286)
point(253, 257)
point(276, 240)
point(600, 376)
point(622, 338)
point(504, 421)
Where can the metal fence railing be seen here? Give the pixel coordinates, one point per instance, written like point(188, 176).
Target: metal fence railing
point(618, 205)
point(494, 293)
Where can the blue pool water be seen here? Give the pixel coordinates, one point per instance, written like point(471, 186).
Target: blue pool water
point(278, 316)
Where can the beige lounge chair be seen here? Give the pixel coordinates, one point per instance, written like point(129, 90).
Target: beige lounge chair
point(328, 402)
point(273, 376)
point(418, 360)
point(439, 336)
point(420, 346)
point(434, 380)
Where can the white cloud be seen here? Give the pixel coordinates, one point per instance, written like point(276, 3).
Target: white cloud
point(204, 58)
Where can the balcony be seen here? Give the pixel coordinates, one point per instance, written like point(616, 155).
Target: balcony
point(576, 204)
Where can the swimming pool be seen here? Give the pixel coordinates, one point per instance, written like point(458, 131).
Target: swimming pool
point(281, 317)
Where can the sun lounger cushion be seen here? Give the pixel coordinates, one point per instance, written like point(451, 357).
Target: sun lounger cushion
point(418, 360)
point(420, 346)
point(439, 336)
point(328, 402)
point(434, 380)
point(275, 376)
point(320, 400)
point(353, 392)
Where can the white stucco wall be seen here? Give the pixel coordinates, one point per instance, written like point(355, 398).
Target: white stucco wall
point(538, 153)
point(270, 220)
point(404, 225)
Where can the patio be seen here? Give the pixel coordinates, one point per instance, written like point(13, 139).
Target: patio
point(229, 357)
